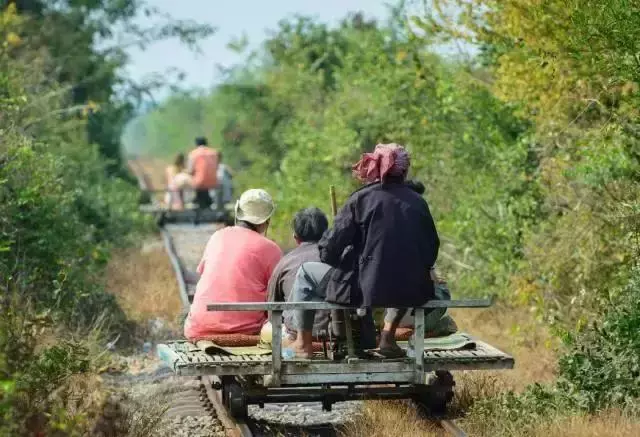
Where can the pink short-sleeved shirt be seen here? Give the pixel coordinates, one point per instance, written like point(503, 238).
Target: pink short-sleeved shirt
point(236, 267)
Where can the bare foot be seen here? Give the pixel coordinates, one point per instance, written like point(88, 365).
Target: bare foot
point(301, 350)
point(387, 341)
point(287, 341)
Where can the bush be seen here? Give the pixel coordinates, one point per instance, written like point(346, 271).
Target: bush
point(602, 367)
point(30, 374)
point(60, 214)
point(600, 370)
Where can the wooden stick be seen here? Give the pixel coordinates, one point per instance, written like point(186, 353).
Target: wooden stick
point(334, 205)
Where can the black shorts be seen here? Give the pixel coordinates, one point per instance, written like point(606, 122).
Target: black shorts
point(203, 199)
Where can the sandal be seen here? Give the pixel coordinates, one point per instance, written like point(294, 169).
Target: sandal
point(391, 352)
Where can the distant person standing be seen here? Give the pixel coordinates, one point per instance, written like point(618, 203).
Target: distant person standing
point(224, 192)
point(203, 166)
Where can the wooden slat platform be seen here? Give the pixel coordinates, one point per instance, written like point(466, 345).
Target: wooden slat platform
point(187, 359)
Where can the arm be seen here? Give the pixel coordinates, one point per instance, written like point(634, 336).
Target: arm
point(336, 239)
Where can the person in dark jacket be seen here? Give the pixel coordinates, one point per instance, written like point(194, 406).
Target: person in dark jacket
point(387, 228)
point(309, 225)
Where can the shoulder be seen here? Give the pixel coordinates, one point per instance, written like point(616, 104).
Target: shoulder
point(221, 234)
point(365, 189)
point(370, 192)
point(269, 246)
point(304, 251)
point(362, 193)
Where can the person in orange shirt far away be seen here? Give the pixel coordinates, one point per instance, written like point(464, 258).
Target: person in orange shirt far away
point(235, 267)
point(203, 167)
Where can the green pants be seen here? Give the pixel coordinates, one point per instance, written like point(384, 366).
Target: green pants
point(436, 321)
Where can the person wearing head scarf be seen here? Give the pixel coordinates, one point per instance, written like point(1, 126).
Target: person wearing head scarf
point(383, 244)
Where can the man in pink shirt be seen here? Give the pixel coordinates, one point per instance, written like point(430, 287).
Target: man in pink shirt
point(236, 266)
point(203, 166)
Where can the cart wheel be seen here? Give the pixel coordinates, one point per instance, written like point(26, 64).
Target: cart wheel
point(234, 400)
point(326, 405)
point(436, 396)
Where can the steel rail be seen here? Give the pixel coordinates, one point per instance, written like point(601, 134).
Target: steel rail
point(177, 267)
point(451, 427)
point(233, 427)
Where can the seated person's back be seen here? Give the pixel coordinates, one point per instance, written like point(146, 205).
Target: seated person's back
point(308, 226)
point(236, 266)
point(203, 164)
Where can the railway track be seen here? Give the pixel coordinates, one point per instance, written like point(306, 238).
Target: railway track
point(200, 398)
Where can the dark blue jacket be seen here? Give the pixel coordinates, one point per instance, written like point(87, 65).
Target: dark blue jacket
point(394, 240)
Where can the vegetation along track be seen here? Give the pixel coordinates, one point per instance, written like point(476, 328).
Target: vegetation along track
point(184, 244)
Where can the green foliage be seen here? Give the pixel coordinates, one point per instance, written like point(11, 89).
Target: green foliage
point(569, 68)
point(71, 31)
point(529, 152)
point(31, 374)
point(602, 367)
point(516, 414)
point(62, 205)
point(296, 123)
point(600, 370)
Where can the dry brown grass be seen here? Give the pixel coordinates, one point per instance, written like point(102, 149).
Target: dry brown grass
point(386, 419)
point(516, 332)
point(143, 281)
point(608, 423)
point(534, 349)
point(603, 424)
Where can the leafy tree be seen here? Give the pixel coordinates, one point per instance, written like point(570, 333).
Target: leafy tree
point(74, 32)
point(61, 211)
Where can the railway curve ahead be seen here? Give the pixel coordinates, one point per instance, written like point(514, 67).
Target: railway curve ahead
point(184, 244)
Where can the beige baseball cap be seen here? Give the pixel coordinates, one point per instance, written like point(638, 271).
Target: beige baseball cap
point(255, 206)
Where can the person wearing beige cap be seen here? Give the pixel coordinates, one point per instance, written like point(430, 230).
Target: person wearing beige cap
point(235, 267)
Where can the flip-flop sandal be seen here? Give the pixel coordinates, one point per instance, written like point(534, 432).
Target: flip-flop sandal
point(391, 352)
